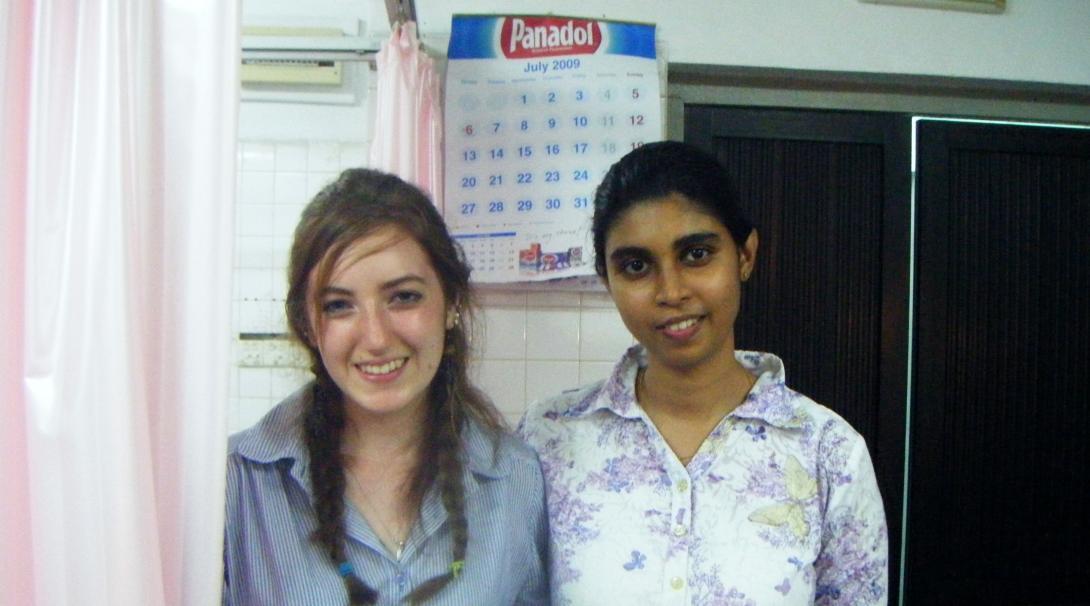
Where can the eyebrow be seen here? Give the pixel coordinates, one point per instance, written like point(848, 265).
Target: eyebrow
point(703, 237)
point(391, 284)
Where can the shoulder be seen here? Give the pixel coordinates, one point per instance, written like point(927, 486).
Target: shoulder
point(275, 433)
point(496, 453)
point(548, 417)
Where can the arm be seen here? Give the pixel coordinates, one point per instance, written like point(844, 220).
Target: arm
point(852, 567)
point(536, 588)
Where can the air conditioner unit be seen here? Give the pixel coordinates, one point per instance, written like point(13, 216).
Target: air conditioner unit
point(297, 55)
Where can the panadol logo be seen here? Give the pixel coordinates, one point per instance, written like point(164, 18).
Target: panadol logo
point(522, 37)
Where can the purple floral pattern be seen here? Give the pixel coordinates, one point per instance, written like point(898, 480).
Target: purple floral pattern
point(778, 506)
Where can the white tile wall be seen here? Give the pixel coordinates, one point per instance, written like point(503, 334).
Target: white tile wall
point(531, 344)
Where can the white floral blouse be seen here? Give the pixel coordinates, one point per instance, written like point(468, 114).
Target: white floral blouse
point(779, 505)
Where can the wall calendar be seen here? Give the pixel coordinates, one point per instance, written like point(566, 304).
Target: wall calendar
point(537, 109)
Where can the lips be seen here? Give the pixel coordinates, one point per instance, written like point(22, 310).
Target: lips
point(680, 329)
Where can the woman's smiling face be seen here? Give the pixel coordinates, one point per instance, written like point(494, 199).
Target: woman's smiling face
point(382, 325)
point(675, 274)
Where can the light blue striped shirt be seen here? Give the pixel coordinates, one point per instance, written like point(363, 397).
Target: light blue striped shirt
point(270, 559)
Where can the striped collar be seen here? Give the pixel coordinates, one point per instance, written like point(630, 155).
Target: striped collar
point(277, 437)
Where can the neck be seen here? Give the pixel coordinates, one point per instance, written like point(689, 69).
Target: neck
point(383, 438)
point(704, 391)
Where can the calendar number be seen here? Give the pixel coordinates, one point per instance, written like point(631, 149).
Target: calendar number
point(580, 175)
point(495, 128)
point(524, 125)
point(469, 182)
point(580, 121)
point(468, 130)
point(580, 148)
point(636, 120)
point(525, 178)
point(580, 202)
point(635, 93)
point(552, 204)
point(551, 123)
point(495, 207)
point(496, 153)
point(525, 206)
point(469, 208)
point(526, 151)
point(469, 155)
point(495, 180)
point(553, 149)
point(552, 176)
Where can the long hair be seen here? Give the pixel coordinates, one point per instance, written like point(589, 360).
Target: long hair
point(357, 204)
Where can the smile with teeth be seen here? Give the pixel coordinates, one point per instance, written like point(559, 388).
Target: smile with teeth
point(682, 325)
point(382, 369)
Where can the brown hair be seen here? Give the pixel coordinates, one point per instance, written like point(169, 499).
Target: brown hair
point(357, 204)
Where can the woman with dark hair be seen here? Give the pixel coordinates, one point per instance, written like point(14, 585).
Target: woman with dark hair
point(388, 478)
point(693, 474)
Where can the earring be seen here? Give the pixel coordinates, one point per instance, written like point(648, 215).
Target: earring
point(453, 318)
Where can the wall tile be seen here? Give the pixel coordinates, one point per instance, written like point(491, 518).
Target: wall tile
point(254, 382)
point(291, 188)
point(504, 381)
point(597, 300)
point(603, 336)
point(316, 181)
point(254, 220)
point(285, 218)
point(258, 156)
point(254, 284)
point(590, 372)
point(552, 299)
point(353, 156)
point(504, 330)
point(291, 157)
point(490, 298)
point(552, 333)
point(250, 411)
point(257, 188)
point(253, 252)
point(546, 379)
point(323, 157)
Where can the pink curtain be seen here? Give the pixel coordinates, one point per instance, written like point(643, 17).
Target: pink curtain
point(119, 169)
point(408, 133)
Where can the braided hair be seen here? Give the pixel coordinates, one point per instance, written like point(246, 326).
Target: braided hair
point(357, 204)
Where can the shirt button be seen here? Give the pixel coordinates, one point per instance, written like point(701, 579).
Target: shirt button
point(680, 530)
point(683, 485)
point(677, 583)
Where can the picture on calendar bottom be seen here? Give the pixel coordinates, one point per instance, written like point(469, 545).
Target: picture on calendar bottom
point(532, 261)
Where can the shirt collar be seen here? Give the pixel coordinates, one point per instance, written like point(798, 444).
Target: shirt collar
point(770, 400)
point(278, 437)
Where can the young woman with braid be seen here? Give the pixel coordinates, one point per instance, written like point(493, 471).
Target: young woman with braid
point(389, 478)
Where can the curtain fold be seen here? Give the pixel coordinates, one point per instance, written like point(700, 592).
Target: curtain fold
point(408, 131)
point(121, 203)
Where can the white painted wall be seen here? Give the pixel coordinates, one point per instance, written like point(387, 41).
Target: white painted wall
point(1033, 40)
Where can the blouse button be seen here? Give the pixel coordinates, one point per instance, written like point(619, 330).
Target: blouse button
point(677, 583)
point(683, 485)
point(680, 530)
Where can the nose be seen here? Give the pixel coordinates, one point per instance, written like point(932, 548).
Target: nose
point(374, 329)
point(671, 289)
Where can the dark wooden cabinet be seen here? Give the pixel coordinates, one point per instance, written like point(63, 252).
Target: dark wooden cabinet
point(986, 375)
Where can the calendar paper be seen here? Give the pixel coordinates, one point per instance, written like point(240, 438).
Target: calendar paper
point(537, 110)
